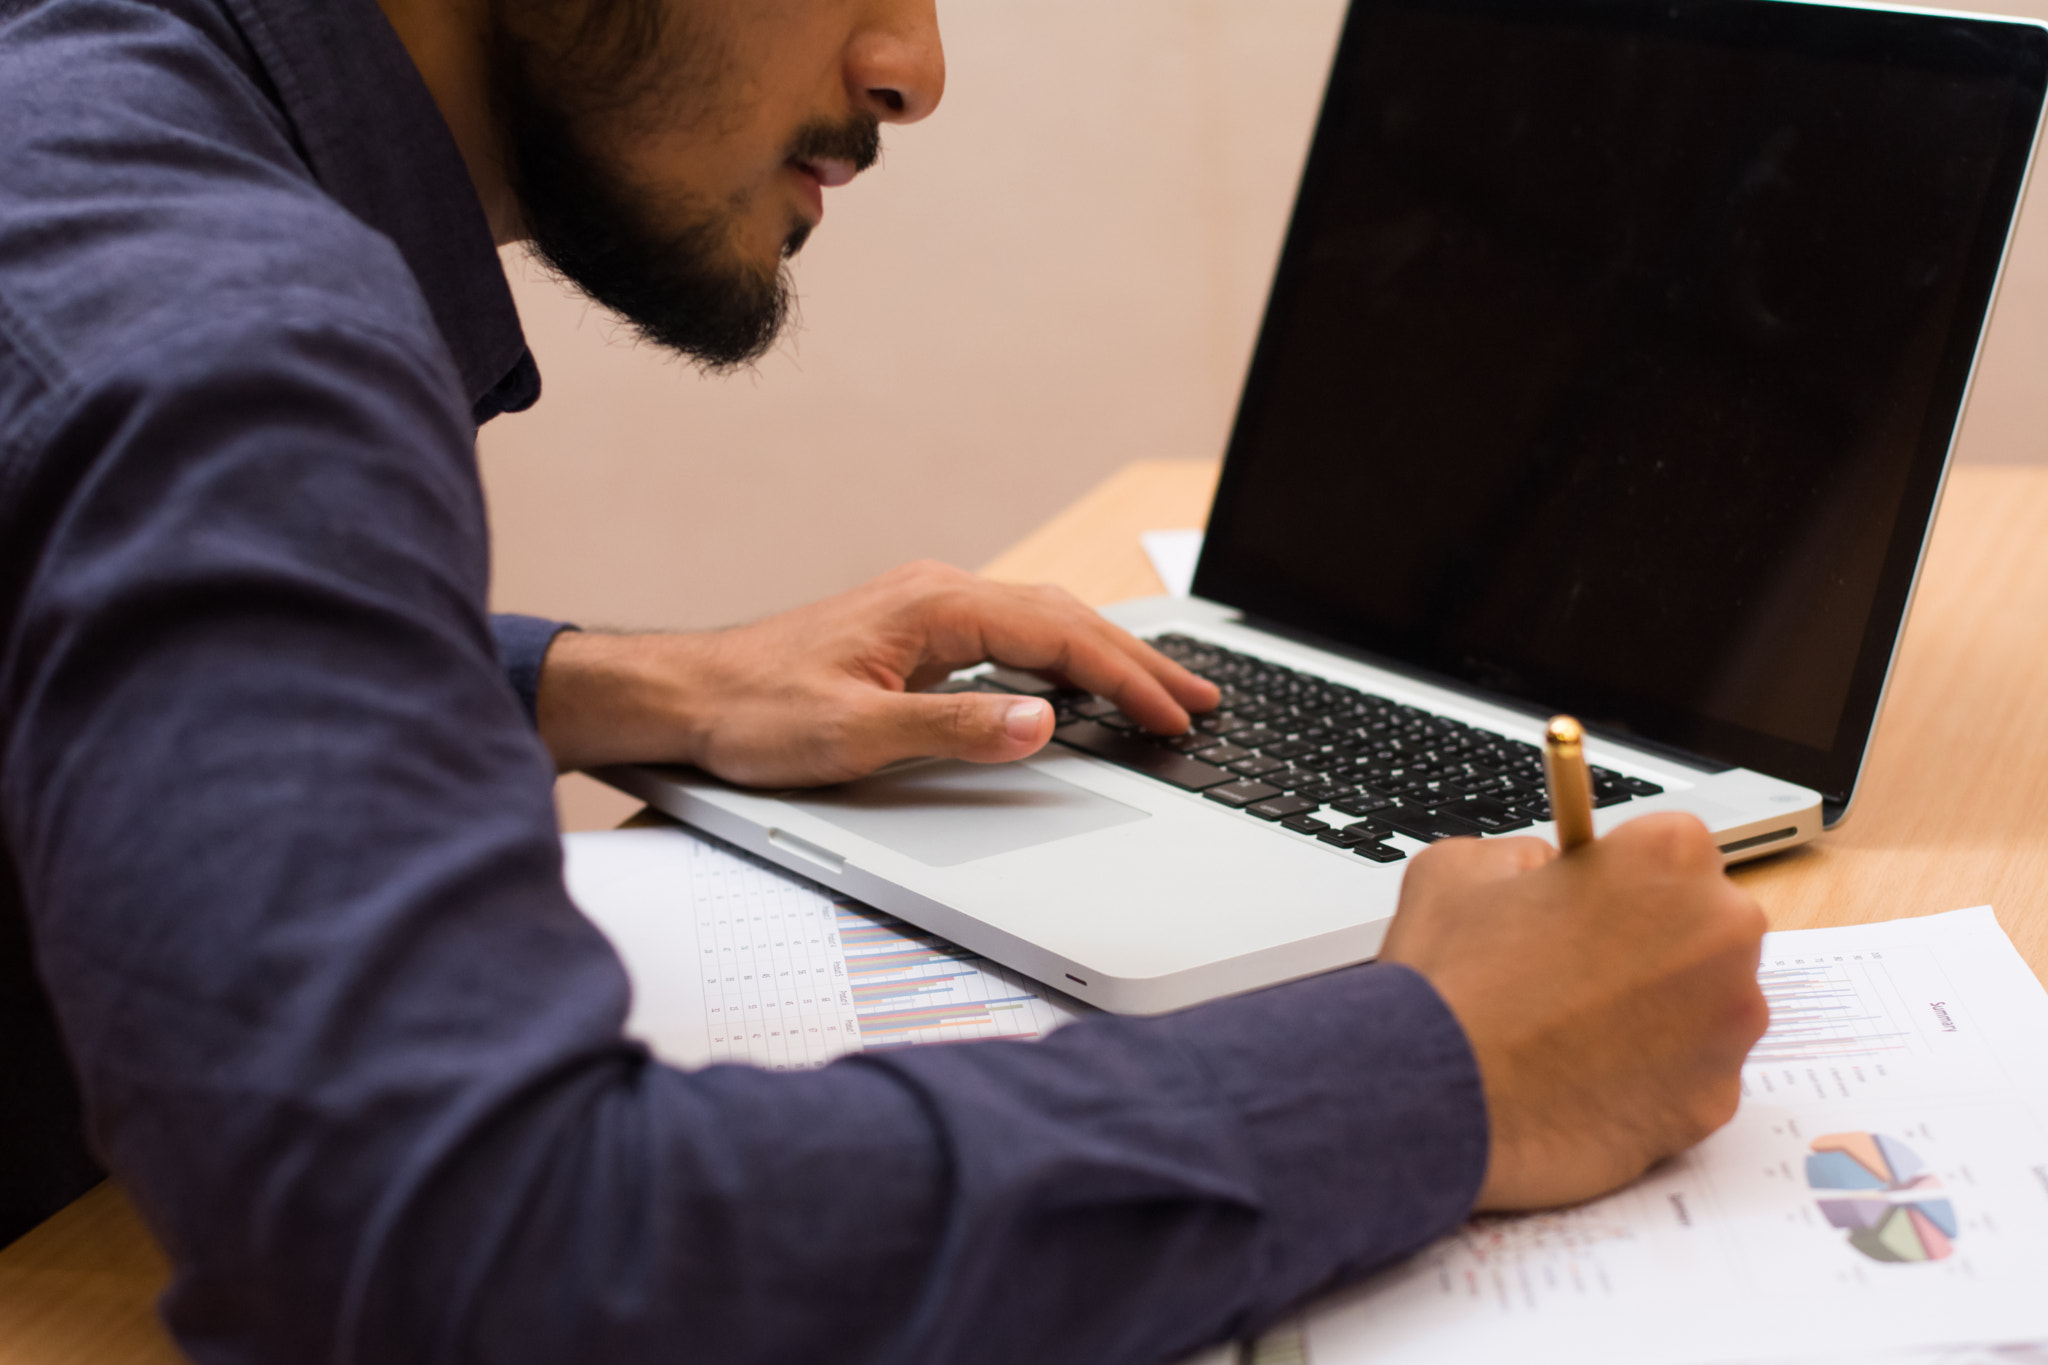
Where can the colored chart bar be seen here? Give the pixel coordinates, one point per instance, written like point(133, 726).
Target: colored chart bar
point(1829, 1013)
point(907, 988)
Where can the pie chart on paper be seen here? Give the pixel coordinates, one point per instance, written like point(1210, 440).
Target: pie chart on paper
point(1879, 1191)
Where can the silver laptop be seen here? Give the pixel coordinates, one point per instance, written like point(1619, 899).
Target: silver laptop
point(1612, 366)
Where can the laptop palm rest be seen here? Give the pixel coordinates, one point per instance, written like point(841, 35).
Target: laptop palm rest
point(947, 813)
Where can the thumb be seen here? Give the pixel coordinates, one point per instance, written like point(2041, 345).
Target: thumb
point(979, 727)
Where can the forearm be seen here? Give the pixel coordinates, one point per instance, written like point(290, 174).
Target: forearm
point(606, 698)
point(1125, 1192)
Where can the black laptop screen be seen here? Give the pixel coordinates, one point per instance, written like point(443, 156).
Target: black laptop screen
point(1616, 352)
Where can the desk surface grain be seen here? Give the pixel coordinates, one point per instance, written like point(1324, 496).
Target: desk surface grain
point(1949, 816)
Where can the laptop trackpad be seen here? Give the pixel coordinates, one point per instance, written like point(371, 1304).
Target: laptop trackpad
point(947, 813)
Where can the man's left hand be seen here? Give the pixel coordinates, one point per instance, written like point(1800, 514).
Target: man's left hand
point(833, 691)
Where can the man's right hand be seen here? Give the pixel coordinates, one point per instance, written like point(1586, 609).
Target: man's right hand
point(1610, 997)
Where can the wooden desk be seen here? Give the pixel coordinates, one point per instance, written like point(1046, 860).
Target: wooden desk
point(1956, 788)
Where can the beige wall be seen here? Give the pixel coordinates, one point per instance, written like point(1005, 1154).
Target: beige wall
point(1059, 273)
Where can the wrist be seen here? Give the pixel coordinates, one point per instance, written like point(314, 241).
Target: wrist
point(606, 699)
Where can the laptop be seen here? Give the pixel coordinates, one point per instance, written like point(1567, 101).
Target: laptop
point(1612, 367)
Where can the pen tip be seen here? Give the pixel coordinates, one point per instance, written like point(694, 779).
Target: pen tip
point(1565, 730)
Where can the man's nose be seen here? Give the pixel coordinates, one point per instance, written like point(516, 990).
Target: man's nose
point(896, 65)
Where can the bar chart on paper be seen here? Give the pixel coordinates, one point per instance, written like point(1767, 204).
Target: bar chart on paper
point(906, 988)
point(734, 960)
point(1833, 1010)
point(1853, 1026)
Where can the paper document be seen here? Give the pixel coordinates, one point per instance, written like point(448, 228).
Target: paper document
point(1882, 1194)
point(734, 960)
point(1174, 555)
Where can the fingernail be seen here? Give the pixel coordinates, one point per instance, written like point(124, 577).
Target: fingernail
point(1021, 721)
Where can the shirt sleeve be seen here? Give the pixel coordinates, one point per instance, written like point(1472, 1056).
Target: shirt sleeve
point(523, 644)
point(288, 851)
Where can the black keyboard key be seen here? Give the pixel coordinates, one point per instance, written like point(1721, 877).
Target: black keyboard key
point(1191, 743)
point(1257, 767)
point(1369, 829)
point(1438, 791)
point(1225, 754)
point(1348, 838)
point(1602, 800)
point(1365, 803)
point(1220, 723)
point(1305, 824)
point(1290, 749)
point(1241, 793)
point(1418, 822)
point(1635, 786)
point(1142, 755)
point(1281, 808)
point(1490, 815)
point(1379, 853)
point(1257, 737)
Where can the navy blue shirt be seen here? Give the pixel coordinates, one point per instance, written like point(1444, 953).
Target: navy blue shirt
point(278, 830)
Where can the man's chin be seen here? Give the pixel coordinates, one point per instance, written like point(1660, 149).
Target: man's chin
point(718, 324)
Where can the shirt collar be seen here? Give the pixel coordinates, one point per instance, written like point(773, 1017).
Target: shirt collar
point(376, 142)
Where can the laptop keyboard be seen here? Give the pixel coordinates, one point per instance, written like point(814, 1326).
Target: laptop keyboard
point(1322, 760)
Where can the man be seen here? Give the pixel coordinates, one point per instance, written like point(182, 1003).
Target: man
point(277, 825)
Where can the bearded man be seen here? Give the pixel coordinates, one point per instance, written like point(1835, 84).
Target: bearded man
point(283, 938)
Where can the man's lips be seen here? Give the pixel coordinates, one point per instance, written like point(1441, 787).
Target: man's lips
point(829, 172)
point(818, 175)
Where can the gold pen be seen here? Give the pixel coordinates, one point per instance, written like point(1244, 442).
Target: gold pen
point(1571, 785)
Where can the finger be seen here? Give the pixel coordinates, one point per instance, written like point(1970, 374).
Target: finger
point(1051, 632)
point(1456, 864)
point(1057, 635)
point(1193, 691)
point(888, 727)
point(1190, 691)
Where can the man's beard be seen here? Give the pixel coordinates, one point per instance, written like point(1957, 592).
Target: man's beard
point(666, 264)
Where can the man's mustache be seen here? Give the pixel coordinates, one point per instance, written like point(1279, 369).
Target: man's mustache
point(857, 141)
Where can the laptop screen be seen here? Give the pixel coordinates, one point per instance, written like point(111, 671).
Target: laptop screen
point(1617, 349)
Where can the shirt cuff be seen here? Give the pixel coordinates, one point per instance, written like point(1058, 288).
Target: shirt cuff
point(1364, 1116)
point(523, 643)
